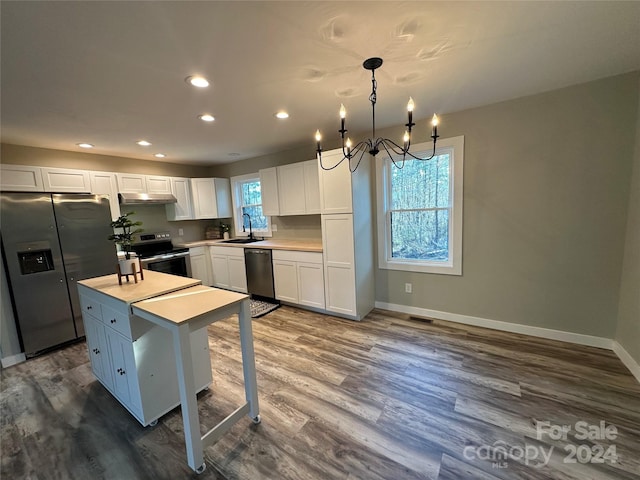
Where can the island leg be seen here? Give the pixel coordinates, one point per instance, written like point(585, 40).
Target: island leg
point(248, 360)
point(188, 399)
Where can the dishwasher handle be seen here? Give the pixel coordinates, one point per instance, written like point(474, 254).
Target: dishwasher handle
point(256, 251)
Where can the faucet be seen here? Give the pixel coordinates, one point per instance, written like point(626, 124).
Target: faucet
point(250, 230)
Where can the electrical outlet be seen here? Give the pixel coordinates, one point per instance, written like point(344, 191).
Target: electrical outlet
point(408, 288)
point(180, 232)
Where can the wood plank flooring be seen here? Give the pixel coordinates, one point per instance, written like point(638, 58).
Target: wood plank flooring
point(386, 398)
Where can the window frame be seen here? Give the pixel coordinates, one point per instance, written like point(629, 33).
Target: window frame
point(455, 147)
point(237, 198)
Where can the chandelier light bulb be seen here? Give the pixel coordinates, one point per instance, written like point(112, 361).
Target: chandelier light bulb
point(435, 120)
point(343, 111)
point(348, 143)
point(406, 137)
point(410, 105)
point(318, 136)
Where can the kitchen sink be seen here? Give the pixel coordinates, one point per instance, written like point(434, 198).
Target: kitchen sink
point(241, 240)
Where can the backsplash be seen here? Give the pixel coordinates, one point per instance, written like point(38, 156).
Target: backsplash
point(298, 226)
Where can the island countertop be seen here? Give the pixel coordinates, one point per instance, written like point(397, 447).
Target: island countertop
point(153, 285)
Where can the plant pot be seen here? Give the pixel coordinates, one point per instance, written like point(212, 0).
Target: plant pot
point(127, 266)
point(225, 235)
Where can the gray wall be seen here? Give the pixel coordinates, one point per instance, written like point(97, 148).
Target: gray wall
point(628, 331)
point(546, 191)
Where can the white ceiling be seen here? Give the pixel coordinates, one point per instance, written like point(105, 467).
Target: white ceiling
point(111, 73)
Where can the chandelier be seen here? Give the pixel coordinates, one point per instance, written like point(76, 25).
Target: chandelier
point(374, 145)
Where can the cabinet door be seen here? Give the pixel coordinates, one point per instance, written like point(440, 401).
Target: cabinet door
point(123, 368)
point(339, 267)
point(199, 268)
point(98, 350)
point(311, 187)
point(204, 198)
point(311, 285)
point(285, 280)
point(219, 271)
point(104, 183)
point(269, 191)
point(237, 274)
point(158, 184)
point(131, 183)
point(291, 189)
point(183, 209)
point(20, 178)
point(62, 180)
point(335, 185)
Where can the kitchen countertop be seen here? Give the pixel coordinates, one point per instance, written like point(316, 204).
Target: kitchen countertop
point(302, 244)
point(154, 284)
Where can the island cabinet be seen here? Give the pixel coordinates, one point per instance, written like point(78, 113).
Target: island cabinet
point(133, 358)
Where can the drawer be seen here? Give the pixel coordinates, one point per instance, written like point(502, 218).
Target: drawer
point(117, 320)
point(228, 251)
point(91, 307)
point(296, 256)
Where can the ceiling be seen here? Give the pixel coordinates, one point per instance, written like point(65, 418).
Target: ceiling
point(111, 73)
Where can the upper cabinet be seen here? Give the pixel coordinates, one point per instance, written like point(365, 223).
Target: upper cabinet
point(21, 178)
point(65, 180)
point(183, 209)
point(105, 183)
point(157, 184)
point(211, 198)
point(131, 183)
point(269, 191)
point(291, 189)
point(336, 184)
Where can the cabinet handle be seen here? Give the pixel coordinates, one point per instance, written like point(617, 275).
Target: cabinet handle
point(113, 320)
point(89, 307)
point(96, 351)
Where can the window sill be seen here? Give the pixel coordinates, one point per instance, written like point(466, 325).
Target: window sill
point(413, 266)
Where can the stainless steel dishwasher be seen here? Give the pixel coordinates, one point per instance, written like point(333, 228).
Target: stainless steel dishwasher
point(259, 272)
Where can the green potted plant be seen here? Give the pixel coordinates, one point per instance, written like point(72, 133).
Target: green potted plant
point(225, 227)
point(128, 227)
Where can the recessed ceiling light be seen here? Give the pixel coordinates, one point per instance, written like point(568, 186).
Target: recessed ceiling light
point(84, 145)
point(197, 81)
point(206, 117)
point(143, 143)
point(160, 155)
point(282, 115)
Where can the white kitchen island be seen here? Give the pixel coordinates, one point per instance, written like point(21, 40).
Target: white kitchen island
point(178, 309)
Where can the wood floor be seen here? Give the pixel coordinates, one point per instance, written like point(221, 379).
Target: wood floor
point(385, 398)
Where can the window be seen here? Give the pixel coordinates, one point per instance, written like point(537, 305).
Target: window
point(420, 210)
point(247, 199)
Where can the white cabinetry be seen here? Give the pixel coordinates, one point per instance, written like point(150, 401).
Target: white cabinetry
point(291, 189)
point(299, 278)
point(131, 183)
point(311, 186)
point(211, 197)
point(63, 180)
point(183, 208)
point(346, 202)
point(269, 191)
point(21, 178)
point(228, 268)
point(134, 359)
point(200, 264)
point(104, 183)
point(157, 184)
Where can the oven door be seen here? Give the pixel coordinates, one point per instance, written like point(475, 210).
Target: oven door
point(173, 263)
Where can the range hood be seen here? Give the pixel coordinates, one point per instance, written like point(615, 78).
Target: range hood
point(146, 198)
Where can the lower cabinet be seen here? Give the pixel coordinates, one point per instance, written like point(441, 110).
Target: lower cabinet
point(200, 264)
point(134, 359)
point(299, 277)
point(228, 269)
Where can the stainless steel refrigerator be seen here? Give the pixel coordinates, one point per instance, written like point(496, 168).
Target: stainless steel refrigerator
point(49, 242)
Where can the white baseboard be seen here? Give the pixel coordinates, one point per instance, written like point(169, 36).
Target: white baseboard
point(627, 359)
point(551, 334)
point(13, 360)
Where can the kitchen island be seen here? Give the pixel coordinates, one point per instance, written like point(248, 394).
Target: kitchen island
point(148, 346)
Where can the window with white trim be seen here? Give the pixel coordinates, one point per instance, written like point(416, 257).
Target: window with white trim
point(247, 200)
point(420, 210)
